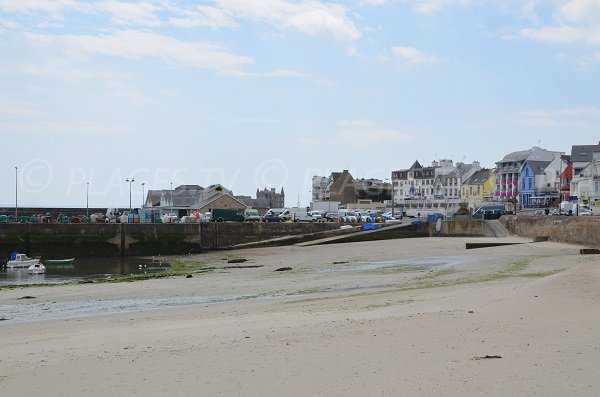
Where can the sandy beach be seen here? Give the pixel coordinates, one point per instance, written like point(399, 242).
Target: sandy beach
point(415, 317)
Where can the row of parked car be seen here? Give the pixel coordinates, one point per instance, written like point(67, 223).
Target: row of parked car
point(342, 215)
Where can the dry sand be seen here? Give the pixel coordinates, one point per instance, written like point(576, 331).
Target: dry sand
point(347, 320)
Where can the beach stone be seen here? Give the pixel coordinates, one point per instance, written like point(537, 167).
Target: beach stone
point(283, 269)
point(240, 260)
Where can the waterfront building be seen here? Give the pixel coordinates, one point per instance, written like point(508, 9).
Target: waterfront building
point(588, 182)
point(581, 158)
point(185, 199)
point(415, 182)
point(449, 179)
point(539, 183)
point(566, 175)
point(265, 200)
point(479, 187)
point(508, 170)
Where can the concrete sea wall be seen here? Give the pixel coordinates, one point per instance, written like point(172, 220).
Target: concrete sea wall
point(584, 230)
point(77, 240)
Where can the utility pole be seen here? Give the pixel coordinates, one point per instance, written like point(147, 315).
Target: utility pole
point(87, 199)
point(130, 181)
point(16, 194)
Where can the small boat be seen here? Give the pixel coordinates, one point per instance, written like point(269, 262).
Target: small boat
point(56, 263)
point(21, 261)
point(37, 268)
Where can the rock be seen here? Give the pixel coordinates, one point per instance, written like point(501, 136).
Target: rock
point(240, 260)
point(189, 276)
point(283, 269)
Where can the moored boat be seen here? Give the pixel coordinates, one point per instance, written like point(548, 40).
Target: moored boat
point(37, 268)
point(59, 262)
point(21, 261)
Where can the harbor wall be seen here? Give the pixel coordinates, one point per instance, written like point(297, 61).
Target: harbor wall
point(583, 230)
point(73, 240)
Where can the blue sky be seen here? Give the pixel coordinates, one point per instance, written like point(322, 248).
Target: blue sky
point(268, 93)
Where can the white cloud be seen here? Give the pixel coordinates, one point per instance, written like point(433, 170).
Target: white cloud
point(275, 73)
point(55, 128)
point(125, 13)
point(433, 6)
point(47, 6)
point(563, 34)
point(356, 123)
point(203, 16)
point(360, 136)
point(413, 56)
point(562, 118)
point(135, 44)
point(586, 11)
point(310, 17)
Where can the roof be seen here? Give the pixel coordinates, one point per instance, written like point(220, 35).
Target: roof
point(581, 155)
point(538, 167)
point(479, 178)
point(535, 154)
point(203, 203)
point(416, 165)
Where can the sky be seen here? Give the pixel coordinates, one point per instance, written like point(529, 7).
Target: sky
point(268, 93)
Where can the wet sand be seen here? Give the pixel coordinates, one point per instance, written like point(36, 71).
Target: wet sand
point(418, 317)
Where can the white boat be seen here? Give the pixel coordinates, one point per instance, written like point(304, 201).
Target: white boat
point(21, 261)
point(38, 268)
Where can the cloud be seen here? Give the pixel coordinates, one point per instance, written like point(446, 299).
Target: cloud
point(46, 6)
point(133, 44)
point(413, 56)
point(360, 137)
point(124, 13)
point(586, 11)
point(356, 123)
point(563, 118)
point(307, 16)
point(433, 6)
point(56, 128)
point(203, 16)
point(310, 17)
point(275, 73)
point(563, 34)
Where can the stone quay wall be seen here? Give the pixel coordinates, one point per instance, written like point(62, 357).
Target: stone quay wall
point(125, 239)
point(583, 230)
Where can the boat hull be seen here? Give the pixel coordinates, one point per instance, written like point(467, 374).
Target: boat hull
point(22, 264)
point(59, 262)
point(36, 269)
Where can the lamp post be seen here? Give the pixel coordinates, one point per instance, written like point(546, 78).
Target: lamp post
point(130, 181)
point(87, 199)
point(143, 195)
point(16, 193)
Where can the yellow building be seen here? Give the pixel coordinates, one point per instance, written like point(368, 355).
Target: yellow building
point(480, 186)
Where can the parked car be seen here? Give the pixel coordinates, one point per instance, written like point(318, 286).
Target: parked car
point(271, 217)
point(251, 215)
point(330, 217)
point(363, 216)
point(316, 215)
point(347, 216)
point(585, 212)
point(227, 215)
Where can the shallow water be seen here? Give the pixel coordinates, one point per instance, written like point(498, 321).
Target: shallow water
point(84, 269)
point(435, 264)
point(31, 311)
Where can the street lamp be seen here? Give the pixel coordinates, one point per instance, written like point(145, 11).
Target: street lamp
point(87, 199)
point(143, 195)
point(16, 193)
point(130, 181)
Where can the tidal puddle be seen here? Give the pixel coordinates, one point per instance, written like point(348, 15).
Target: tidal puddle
point(85, 269)
point(426, 264)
